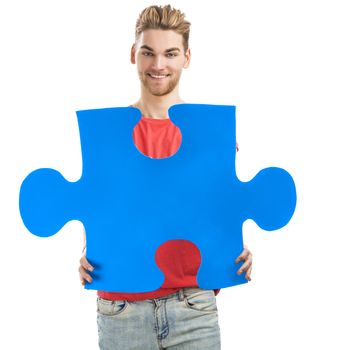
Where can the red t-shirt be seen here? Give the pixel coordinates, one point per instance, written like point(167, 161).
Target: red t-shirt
point(179, 260)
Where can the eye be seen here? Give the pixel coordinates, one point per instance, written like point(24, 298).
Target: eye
point(146, 53)
point(172, 55)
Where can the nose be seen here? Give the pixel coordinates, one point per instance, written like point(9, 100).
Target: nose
point(158, 62)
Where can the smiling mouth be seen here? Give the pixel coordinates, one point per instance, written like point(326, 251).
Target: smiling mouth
point(158, 77)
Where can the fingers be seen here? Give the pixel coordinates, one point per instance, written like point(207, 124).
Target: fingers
point(83, 268)
point(85, 264)
point(247, 267)
point(248, 273)
point(244, 255)
point(82, 280)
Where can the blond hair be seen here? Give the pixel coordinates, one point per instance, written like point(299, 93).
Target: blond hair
point(165, 18)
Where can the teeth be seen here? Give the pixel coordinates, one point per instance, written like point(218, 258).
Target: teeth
point(158, 76)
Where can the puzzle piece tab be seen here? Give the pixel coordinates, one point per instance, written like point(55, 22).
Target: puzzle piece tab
point(131, 204)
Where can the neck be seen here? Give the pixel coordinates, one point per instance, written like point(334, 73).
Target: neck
point(157, 106)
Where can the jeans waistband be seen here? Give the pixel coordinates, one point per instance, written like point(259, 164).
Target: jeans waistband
point(183, 292)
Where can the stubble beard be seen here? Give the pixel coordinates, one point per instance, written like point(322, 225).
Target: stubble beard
point(160, 91)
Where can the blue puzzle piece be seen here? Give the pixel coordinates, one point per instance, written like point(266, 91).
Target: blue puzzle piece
point(131, 204)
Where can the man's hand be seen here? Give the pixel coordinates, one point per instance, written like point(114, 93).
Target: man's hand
point(247, 257)
point(83, 270)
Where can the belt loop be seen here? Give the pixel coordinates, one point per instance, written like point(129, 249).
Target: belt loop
point(181, 295)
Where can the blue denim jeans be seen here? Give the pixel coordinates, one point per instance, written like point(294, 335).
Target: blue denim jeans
point(186, 320)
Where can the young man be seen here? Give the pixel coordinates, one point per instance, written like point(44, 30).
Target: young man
point(179, 315)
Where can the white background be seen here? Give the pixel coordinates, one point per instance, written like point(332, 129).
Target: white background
point(284, 64)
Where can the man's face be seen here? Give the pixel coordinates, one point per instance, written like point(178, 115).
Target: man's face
point(159, 55)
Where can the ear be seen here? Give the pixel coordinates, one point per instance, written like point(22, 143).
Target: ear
point(187, 58)
point(132, 54)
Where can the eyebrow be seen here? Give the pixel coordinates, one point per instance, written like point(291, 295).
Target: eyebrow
point(167, 50)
